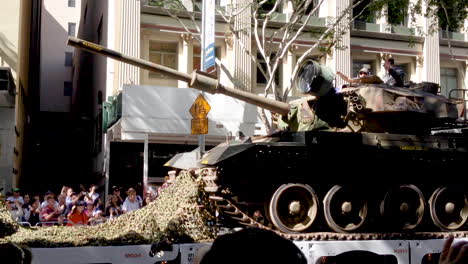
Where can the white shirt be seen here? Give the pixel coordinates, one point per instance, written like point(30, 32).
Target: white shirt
point(13, 199)
point(44, 204)
point(129, 206)
point(17, 214)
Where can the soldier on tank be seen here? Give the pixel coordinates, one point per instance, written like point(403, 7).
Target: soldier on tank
point(324, 110)
point(395, 75)
point(362, 73)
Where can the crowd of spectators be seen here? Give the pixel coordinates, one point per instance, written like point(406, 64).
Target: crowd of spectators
point(76, 208)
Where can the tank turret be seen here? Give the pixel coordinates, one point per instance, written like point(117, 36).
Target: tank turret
point(366, 107)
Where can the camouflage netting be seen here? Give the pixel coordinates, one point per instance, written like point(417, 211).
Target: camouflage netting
point(175, 215)
point(7, 225)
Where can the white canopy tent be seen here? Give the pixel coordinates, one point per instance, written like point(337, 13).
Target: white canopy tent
point(152, 114)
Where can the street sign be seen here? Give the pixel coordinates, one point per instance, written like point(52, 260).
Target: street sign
point(200, 107)
point(199, 126)
point(199, 110)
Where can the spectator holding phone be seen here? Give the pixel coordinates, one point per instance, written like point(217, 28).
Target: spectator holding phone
point(51, 212)
point(77, 215)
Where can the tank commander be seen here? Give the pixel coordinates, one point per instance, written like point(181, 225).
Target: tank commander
point(364, 77)
point(322, 107)
point(395, 75)
point(362, 73)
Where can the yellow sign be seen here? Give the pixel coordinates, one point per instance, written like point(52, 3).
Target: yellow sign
point(200, 108)
point(199, 126)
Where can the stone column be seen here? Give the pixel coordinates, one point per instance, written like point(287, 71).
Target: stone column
point(228, 58)
point(382, 20)
point(466, 31)
point(466, 85)
point(419, 68)
point(145, 47)
point(382, 59)
point(185, 56)
point(243, 63)
point(431, 53)
point(342, 52)
point(289, 62)
point(129, 41)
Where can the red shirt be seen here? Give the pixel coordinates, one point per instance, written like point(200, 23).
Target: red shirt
point(78, 219)
point(47, 211)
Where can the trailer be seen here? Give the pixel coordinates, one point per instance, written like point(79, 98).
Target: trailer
point(325, 252)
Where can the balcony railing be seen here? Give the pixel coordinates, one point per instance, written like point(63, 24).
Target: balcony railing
point(362, 25)
point(444, 34)
point(402, 30)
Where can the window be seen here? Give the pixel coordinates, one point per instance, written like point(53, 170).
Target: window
point(268, 6)
point(454, 17)
point(260, 77)
point(71, 3)
point(67, 88)
point(197, 56)
point(448, 81)
point(362, 14)
point(71, 29)
point(396, 15)
point(311, 7)
point(68, 59)
point(164, 53)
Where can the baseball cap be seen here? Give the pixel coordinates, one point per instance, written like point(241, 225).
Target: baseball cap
point(364, 70)
point(16, 189)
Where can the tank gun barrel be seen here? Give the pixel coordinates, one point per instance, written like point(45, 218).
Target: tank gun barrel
point(197, 80)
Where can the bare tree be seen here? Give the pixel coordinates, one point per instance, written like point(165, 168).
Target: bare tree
point(263, 14)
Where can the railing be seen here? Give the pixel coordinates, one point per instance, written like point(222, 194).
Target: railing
point(444, 34)
point(362, 25)
point(27, 224)
point(64, 222)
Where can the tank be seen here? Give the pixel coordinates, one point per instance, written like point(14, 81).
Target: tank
point(366, 161)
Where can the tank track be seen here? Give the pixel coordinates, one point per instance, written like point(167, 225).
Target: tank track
point(230, 207)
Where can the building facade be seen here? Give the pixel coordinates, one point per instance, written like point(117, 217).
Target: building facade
point(144, 29)
point(9, 32)
point(48, 150)
point(59, 20)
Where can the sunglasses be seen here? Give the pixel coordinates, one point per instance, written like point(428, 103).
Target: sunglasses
point(363, 73)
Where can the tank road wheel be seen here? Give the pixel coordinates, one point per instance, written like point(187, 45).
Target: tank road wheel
point(403, 207)
point(293, 207)
point(448, 208)
point(345, 210)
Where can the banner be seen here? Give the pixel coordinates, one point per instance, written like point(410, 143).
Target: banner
point(208, 34)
